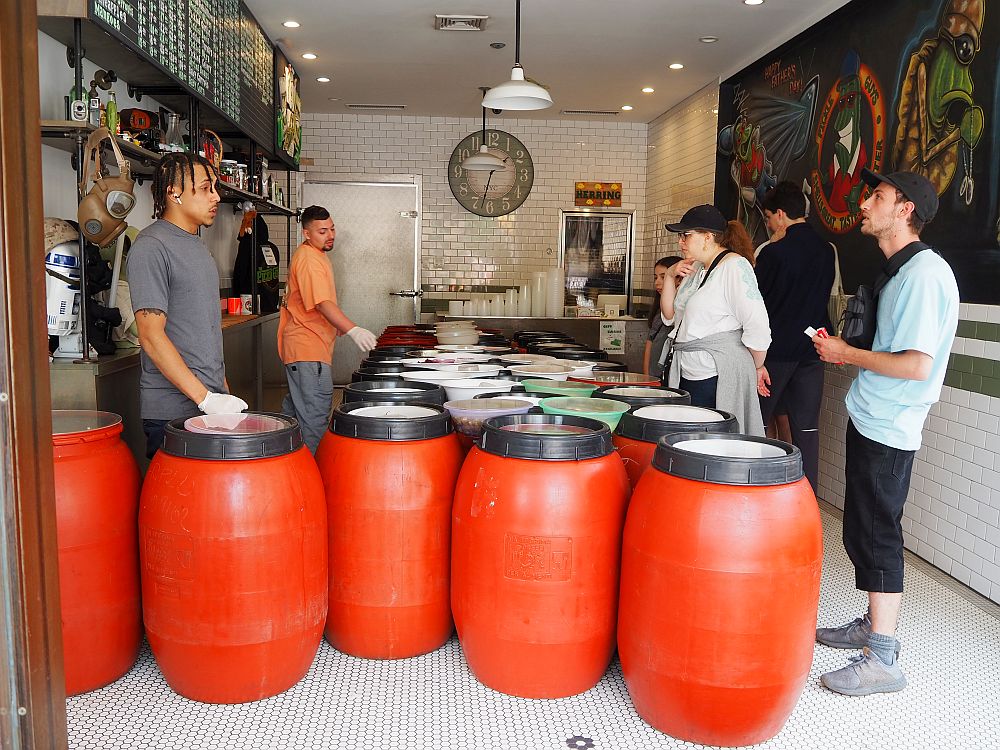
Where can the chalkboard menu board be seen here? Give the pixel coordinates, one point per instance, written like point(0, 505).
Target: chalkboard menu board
point(215, 48)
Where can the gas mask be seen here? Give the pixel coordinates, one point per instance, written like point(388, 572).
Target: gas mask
point(102, 212)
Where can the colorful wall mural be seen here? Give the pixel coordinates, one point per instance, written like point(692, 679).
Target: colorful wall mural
point(906, 84)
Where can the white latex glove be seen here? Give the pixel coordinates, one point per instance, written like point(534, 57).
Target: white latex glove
point(222, 403)
point(364, 338)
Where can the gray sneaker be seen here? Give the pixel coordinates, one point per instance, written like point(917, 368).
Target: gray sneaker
point(852, 635)
point(866, 674)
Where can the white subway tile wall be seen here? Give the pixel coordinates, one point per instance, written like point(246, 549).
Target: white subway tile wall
point(680, 173)
point(460, 248)
point(952, 514)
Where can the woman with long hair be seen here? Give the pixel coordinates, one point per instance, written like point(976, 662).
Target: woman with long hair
point(658, 331)
point(722, 333)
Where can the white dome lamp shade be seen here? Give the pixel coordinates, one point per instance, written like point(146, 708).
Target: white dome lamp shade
point(517, 93)
point(483, 160)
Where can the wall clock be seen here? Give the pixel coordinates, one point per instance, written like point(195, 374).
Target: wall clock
point(492, 193)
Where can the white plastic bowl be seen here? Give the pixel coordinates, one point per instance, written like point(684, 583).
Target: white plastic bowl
point(457, 337)
point(438, 377)
point(542, 370)
point(469, 369)
point(468, 348)
point(471, 387)
point(581, 368)
point(527, 359)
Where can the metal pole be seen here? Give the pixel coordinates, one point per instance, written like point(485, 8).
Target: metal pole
point(78, 80)
point(254, 239)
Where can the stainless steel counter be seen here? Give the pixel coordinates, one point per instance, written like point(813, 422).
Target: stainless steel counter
point(584, 330)
point(111, 382)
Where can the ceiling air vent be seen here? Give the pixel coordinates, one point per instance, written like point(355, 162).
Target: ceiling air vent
point(612, 112)
point(460, 23)
point(382, 107)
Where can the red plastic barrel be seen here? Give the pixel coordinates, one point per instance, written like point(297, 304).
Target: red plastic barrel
point(97, 504)
point(234, 562)
point(536, 543)
point(720, 588)
point(390, 474)
point(637, 432)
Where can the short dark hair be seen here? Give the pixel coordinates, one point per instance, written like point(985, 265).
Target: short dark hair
point(170, 170)
point(785, 196)
point(915, 223)
point(667, 261)
point(313, 213)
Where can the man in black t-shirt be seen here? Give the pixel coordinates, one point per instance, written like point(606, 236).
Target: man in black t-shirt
point(795, 275)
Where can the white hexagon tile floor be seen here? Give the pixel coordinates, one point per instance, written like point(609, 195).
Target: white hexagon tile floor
point(950, 636)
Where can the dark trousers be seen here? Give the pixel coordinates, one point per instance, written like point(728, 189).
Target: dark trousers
point(702, 391)
point(797, 390)
point(877, 480)
point(154, 429)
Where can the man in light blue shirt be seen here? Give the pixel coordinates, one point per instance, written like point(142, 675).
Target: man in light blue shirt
point(898, 381)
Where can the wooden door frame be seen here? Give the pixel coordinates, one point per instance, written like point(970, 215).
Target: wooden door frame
point(32, 691)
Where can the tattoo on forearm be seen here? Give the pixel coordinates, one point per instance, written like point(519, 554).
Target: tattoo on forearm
point(150, 311)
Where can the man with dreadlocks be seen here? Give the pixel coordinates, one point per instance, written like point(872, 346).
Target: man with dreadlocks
point(174, 284)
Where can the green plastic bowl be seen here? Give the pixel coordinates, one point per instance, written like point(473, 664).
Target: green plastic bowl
point(607, 410)
point(558, 387)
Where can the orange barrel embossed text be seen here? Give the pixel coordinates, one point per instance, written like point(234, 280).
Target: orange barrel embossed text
point(390, 472)
point(97, 504)
point(536, 544)
point(639, 430)
point(720, 587)
point(234, 566)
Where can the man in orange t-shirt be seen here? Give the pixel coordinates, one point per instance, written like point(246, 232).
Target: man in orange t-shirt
point(310, 321)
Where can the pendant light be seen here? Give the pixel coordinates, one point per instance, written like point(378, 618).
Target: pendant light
point(517, 93)
point(483, 160)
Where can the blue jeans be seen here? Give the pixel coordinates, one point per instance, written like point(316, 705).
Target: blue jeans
point(702, 391)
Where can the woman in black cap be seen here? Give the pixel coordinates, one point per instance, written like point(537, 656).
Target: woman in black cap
point(720, 322)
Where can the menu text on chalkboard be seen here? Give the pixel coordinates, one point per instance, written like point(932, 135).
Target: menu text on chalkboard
point(214, 48)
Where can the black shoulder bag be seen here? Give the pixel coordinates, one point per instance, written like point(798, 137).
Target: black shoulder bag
point(670, 338)
point(857, 326)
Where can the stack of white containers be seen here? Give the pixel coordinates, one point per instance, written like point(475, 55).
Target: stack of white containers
point(543, 296)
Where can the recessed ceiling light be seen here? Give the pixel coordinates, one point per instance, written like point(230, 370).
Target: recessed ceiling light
point(676, 66)
point(291, 24)
point(715, 111)
point(334, 98)
point(497, 45)
point(648, 90)
point(627, 107)
point(753, 2)
point(709, 39)
point(308, 56)
point(323, 79)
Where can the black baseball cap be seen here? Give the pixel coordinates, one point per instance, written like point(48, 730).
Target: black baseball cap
point(705, 217)
point(916, 188)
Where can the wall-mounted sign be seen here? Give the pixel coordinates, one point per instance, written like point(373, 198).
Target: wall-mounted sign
point(603, 194)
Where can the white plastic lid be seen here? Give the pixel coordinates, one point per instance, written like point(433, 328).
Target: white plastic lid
point(395, 411)
point(547, 429)
point(234, 424)
point(70, 421)
point(731, 448)
point(668, 413)
point(640, 392)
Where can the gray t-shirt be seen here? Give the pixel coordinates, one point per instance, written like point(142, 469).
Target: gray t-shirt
point(172, 270)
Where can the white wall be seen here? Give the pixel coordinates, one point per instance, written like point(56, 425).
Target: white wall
point(58, 186)
point(460, 248)
point(680, 174)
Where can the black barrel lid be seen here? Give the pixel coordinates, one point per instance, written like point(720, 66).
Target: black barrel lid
point(637, 396)
point(383, 366)
point(580, 355)
point(383, 352)
point(500, 394)
point(375, 420)
point(546, 437)
point(722, 458)
point(651, 422)
point(610, 367)
point(366, 374)
point(257, 435)
point(394, 391)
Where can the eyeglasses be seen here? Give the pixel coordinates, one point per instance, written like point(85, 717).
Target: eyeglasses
point(688, 234)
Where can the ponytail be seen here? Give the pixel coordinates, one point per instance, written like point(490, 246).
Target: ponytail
point(735, 238)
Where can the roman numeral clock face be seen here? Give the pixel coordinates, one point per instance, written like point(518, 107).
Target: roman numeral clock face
point(507, 187)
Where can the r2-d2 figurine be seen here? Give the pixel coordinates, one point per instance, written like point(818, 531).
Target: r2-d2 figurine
point(62, 286)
